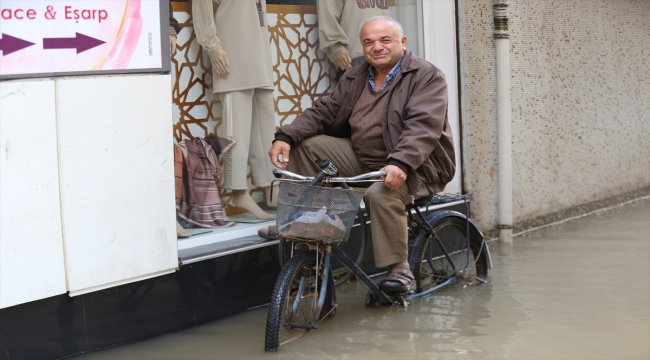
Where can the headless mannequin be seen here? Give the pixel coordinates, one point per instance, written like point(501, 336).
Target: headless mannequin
point(241, 197)
point(339, 22)
point(245, 88)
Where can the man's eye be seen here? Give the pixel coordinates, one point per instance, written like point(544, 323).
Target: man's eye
point(387, 41)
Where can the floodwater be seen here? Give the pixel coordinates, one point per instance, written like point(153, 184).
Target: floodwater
point(578, 290)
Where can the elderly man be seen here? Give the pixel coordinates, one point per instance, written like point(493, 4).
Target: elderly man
point(390, 114)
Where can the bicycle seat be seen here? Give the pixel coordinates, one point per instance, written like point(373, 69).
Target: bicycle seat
point(420, 202)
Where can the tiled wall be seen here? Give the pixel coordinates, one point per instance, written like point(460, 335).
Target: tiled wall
point(580, 80)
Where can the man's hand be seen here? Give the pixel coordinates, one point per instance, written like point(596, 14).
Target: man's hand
point(342, 59)
point(395, 176)
point(219, 60)
point(280, 148)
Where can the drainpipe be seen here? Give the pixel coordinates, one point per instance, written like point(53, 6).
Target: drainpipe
point(504, 142)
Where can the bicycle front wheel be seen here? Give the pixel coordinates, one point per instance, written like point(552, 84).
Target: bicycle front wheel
point(469, 258)
point(293, 307)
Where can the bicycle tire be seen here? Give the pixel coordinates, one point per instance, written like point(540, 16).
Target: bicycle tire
point(431, 267)
point(284, 307)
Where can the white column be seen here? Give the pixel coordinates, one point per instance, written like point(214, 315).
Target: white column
point(504, 142)
point(439, 26)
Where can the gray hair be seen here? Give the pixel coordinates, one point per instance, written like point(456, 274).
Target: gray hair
point(400, 30)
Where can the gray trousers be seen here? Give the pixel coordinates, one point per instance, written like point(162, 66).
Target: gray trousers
point(248, 117)
point(385, 206)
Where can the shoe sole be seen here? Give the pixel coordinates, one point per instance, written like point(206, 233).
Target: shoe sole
point(396, 289)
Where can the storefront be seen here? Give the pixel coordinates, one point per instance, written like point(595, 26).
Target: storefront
point(89, 253)
point(302, 73)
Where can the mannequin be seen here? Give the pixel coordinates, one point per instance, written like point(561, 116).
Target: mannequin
point(243, 78)
point(338, 31)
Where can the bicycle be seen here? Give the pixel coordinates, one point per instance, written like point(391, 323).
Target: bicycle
point(447, 249)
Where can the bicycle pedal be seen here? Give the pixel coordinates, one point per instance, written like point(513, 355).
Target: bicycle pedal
point(401, 300)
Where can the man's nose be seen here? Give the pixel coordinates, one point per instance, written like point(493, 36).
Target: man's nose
point(377, 46)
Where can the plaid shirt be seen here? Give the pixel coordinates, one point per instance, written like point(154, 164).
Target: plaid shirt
point(389, 79)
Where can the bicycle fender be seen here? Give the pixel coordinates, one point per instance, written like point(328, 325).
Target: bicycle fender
point(441, 214)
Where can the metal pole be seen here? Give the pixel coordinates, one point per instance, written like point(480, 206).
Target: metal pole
point(504, 147)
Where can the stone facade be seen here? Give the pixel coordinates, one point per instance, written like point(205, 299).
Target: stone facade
point(580, 81)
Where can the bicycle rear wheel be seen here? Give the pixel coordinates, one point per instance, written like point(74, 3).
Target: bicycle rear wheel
point(432, 268)
point(292, 311)
point(356, 246)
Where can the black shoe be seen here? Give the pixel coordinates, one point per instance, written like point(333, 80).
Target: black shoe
point(268, 233)
point(391, 286)
point(398, 280)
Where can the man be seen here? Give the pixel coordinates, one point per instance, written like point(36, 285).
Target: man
point(389, 114)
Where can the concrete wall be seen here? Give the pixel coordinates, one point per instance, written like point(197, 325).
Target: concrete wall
point(580, 81)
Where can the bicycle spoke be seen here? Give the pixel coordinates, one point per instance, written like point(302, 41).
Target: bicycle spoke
point(298, 314)
point(435, 267)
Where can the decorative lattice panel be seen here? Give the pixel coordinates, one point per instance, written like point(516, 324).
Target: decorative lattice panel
point(302, 73)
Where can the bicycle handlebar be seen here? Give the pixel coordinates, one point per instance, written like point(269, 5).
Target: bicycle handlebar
point(367, 177)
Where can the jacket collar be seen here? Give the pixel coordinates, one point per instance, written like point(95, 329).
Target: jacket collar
point(409, 63)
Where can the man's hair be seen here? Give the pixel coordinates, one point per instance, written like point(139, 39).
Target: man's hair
point(400, 30)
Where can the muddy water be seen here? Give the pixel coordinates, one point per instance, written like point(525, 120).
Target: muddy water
point(579, 290)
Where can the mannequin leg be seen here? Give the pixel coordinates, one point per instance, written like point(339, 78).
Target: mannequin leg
point(262, 130)
point(243, 199)
point(180, 232)
point(261, 137)
point(238, 119)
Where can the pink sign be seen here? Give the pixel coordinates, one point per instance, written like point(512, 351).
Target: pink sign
point(70, 36)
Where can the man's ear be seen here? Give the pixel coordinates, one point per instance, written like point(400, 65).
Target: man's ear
point(404, 43)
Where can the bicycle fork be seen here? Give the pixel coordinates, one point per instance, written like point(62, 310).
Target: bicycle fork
point(323, 260)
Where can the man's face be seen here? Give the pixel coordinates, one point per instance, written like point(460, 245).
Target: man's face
point(382, 46)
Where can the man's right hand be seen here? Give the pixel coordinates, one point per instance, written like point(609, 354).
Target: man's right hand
point(280, 148)
point(220, 62)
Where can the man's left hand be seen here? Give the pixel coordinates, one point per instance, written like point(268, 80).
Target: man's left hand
point(395, 176)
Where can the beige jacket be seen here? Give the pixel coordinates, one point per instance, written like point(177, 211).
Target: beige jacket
point(243, 38)
point(339, 21)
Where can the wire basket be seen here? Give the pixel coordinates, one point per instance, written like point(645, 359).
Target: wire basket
point(316, 213)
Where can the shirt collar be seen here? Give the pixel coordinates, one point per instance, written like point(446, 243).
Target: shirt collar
point(389, 78)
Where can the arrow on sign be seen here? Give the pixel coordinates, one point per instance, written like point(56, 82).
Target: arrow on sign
point(9, 44)
point(81, 42)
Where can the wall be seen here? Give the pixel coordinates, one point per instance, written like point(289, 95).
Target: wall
point(580, 80)
point(32, 265)
point(86, 185)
